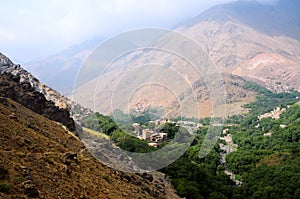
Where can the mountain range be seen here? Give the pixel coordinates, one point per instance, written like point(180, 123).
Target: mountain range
point(247, 39)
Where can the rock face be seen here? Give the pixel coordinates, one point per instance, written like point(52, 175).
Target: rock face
point(19, 85)
point(35, 101)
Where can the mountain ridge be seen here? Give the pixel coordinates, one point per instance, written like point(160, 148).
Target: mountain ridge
point(20, 76)
point(272, 19)
point(233, 42)
point(236, 43)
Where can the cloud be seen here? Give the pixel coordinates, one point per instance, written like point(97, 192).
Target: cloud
point(24, 12)
point(6, 36)
point(49, 26)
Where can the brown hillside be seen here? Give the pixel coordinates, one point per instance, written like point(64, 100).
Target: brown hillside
point(39, 159)
point(179, 89)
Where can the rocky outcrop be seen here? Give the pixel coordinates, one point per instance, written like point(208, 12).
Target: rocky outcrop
point(19, 85)
point(25, 94)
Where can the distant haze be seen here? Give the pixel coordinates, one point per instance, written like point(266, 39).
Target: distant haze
point(32, 29)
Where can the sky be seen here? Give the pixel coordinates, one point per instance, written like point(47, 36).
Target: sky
point(33, 29)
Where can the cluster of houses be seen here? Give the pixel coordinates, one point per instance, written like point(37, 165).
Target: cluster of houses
point(154, 136)
point(275, 114)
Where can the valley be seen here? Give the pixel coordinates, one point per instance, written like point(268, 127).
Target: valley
point(209, 108)
point(228, 148)
point(245, 148)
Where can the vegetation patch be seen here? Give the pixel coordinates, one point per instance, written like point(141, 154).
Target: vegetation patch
point(4, 187)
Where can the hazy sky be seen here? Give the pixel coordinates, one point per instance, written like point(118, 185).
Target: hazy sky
point(33, 28)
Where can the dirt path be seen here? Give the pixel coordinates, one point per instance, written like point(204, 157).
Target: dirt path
point(229, 147)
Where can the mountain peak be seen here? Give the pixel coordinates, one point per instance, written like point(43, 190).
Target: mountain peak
point(272, 19)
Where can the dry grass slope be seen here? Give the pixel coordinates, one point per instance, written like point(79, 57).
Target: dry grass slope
point(39, 159)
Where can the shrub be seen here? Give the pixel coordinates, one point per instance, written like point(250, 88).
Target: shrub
point(106, 178)
point(3, 172)
point(5, 187)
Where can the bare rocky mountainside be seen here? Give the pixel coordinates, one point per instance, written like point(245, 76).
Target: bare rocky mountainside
point(252, 40)
point(40, 158)
point(247, 39)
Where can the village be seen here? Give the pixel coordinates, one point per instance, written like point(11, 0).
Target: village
point(153, 134)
